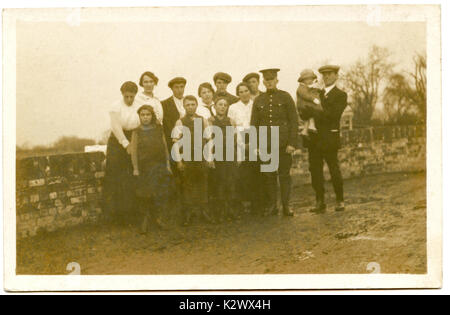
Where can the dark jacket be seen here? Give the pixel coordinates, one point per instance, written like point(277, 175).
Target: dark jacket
point(170, 117)
point(328, 121)
point(277, 108)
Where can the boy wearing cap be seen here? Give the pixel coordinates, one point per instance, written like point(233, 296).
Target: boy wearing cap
point(252, 79)
point(221, 81)
point(277, 108)
point(173, 107)
point(325, 145)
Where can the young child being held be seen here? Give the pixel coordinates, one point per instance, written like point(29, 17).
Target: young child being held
point(150, 159)
point(308, 94)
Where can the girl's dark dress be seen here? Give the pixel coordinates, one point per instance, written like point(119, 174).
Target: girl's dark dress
point(154, 181)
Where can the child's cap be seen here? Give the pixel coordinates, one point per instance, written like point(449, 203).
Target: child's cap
point(307, 74)
point(147, 107)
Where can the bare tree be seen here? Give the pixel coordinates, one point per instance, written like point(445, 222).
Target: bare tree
point(419, 76)
point(364, 80)
point(399, 106)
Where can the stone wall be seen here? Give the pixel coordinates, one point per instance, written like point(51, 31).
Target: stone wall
point(373, 151)
point(53, 192)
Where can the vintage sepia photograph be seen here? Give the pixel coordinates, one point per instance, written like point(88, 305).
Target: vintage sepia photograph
point(222, 147)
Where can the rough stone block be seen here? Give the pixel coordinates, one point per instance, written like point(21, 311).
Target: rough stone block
point(59, 203)
point(36, 182)
point(34, 198)
point(99, 174)
point(76, 200)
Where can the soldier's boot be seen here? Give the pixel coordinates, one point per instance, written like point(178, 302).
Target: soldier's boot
point(272, 195)
point(285, 189)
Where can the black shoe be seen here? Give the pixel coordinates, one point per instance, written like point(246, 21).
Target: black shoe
point(340, 206)
point(287, 212)
point(319, 208)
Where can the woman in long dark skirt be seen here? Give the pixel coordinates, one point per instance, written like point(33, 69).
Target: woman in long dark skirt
point(119, 196)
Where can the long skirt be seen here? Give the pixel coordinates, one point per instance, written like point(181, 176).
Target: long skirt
point(119, 184)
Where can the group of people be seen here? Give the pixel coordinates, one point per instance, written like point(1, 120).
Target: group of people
point(142, 173)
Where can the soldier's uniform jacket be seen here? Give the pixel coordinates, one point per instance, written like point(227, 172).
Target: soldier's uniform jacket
point(328, 121)
point(277, 108)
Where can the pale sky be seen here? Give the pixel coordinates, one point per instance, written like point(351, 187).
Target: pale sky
point(68, 77)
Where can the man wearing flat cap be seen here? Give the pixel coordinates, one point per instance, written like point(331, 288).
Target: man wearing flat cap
point(277, 108)
point(221, 81)
point(252, 79)
point(324, 144)
point(173, 110)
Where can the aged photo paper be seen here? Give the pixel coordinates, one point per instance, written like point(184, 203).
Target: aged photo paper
point(222, 148)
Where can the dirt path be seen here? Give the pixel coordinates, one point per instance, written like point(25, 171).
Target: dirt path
point(385, 222)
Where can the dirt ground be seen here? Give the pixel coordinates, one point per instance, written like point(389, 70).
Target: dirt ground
point(384, 222)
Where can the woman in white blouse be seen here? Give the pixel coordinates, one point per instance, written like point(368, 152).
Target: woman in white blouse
point(118, 194)
point(206, 105)
point(248, 175)
point(148, 81)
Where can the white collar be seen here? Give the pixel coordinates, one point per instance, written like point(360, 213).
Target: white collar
point(207, 106)
point(250, 103)
point(177, 99)
point(329, 88)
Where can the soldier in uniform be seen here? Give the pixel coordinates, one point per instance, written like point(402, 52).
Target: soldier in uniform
point(324, 145)
point(252, 79)
point(277, 108)
point(221, 81)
